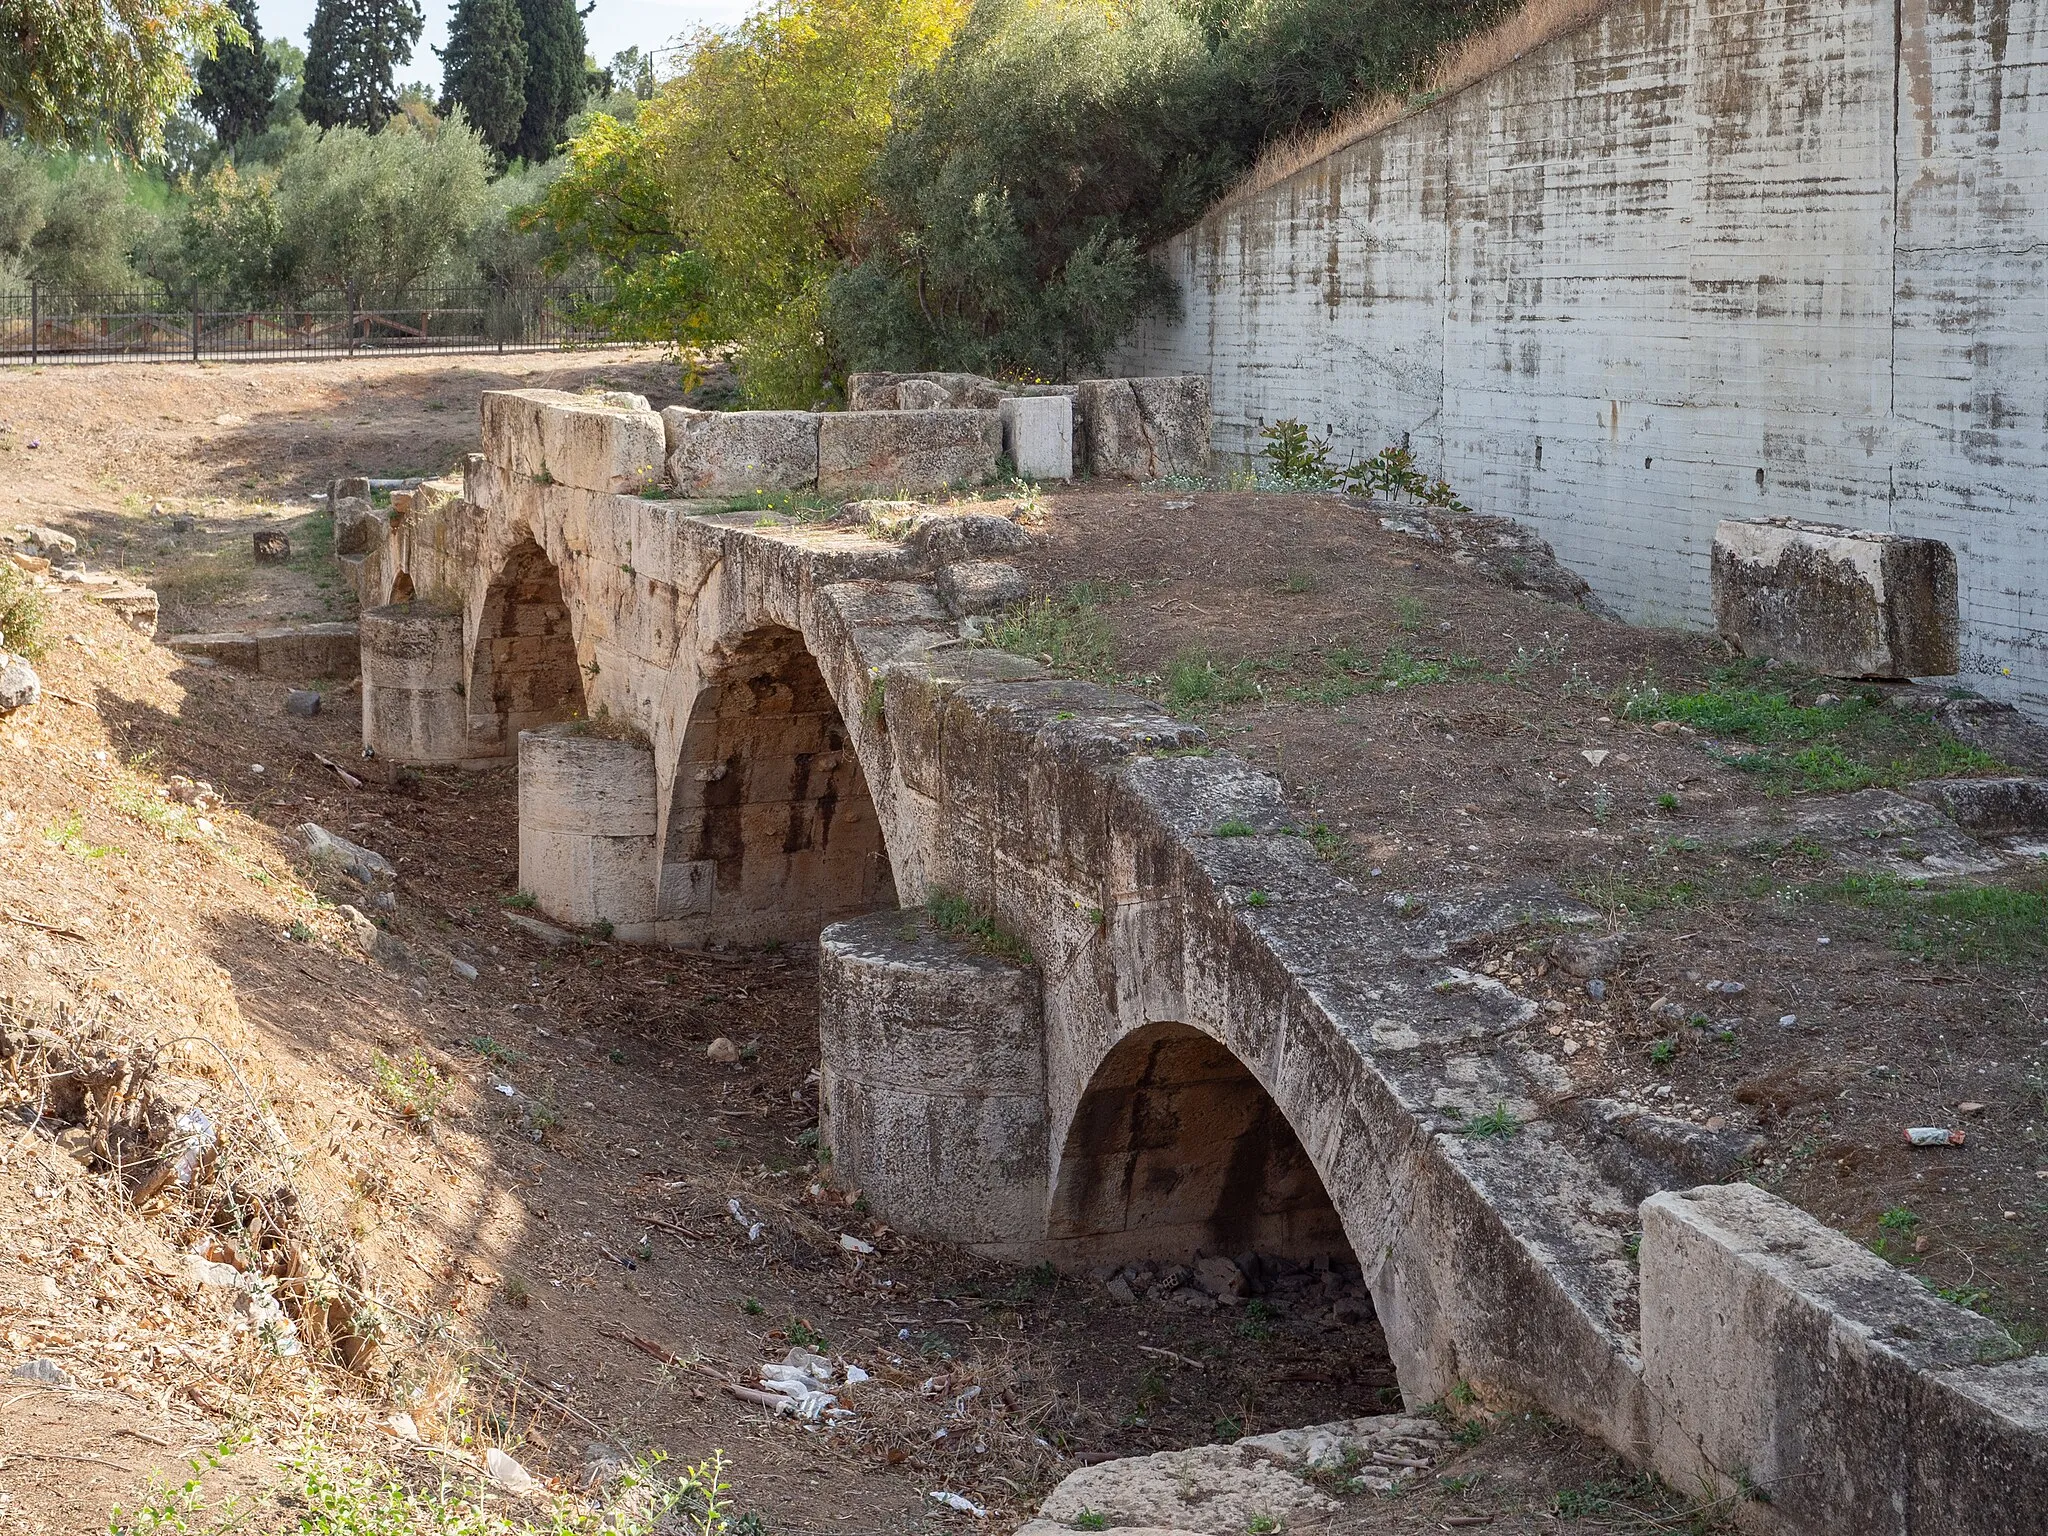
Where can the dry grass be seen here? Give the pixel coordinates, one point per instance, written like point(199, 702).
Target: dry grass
point(1536, 23)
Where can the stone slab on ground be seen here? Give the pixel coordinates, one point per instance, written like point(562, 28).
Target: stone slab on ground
point(730, 453)
point(1849, 602)
point(293, 651)
point(1264, 1482)
point(914, 452)
point(1143, 429)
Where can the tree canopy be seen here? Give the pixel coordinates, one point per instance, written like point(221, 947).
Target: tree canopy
point(80, 71)
point(351, 51)
point(484, 70)
point(557, 81)
point(763, 143)
point(238, 85)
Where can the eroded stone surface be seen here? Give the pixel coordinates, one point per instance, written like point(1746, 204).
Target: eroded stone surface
point(1850, 602)
point(730, 453)
point(913, 452)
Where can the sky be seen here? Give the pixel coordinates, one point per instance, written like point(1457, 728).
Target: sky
point(613, 25)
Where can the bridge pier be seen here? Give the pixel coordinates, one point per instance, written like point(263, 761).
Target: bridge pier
point(586, 829)
point(413, 706)
point(933, 1079)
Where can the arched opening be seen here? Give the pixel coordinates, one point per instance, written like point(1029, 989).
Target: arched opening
point(772, 833)
point(524, 672)
point(1176, 1150)
point(401, 589)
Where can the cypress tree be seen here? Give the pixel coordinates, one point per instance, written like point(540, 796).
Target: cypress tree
point(556, 81)
point(238, 85)
point(484, 70)
point(351, 50)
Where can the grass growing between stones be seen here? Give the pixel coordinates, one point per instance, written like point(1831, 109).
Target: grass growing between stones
point(1066, 631)
point(1826, 745)
point(954, 915)
point(1641, 1502)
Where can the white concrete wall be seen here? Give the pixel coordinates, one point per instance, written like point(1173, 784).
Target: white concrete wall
point(1686, 244)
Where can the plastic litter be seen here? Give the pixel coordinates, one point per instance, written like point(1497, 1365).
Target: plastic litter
point(853, 1244)
point(951, 1500)
point(401, 1425)
point(1933, 1136)
point(200, 1139)
point(508, 1474)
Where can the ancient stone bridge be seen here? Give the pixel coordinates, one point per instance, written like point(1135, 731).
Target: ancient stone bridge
point(735, 728)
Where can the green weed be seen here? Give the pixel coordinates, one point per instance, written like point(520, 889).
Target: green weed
point(1296, 460)
point(1068, 628)
point(523, 901)
point(2001, 924)
point(1498, 1123)
point(1195, 681)
point(954, 915)
point(65, 834)
point(24, 613)
point(412, 1087)
point(1234, 828)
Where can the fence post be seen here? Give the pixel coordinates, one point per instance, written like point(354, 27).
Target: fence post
point(349, 297)
point(35, 322)
point(195, 325)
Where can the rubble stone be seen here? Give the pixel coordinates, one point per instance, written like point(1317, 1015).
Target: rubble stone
point(19, 686)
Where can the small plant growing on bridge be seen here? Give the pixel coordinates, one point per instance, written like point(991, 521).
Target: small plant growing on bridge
point(1234, 828)
point(1497, 1123)
point(1091, 1520)
point(954, 915)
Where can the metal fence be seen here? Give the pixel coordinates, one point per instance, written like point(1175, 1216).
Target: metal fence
point(47, 325)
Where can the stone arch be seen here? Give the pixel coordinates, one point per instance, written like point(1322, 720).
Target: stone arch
point(772, 832)
point(523, 670)
point(1176, 1149)
point(402, 588)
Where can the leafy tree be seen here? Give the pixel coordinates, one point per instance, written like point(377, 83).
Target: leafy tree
point(89, 228)
point(484, 69)
point(351, 50)
point(230, 242)
point(763, 143)
point(238, 85)
point(1053, 143)
point(610, 203)
point(556, 80)
point(371, 215)
point(76, 71)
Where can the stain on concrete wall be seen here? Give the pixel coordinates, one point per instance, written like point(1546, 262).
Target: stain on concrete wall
point(1689, 262)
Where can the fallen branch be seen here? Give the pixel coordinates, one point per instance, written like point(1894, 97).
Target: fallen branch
point(29, 922)
point(342, 773)
point(669, 1226)
point(1169, 1354)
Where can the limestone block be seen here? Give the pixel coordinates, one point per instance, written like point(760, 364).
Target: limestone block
point(933, 1087)
point(295, 651)
point(1845, 601)
point(980, 586)
point(1977, 1429)
point(578, 440)
point(133, 605)
point(1991, 805)
point(1141, 429)
point(922, 395)
point(358, 526)
point(1038, 435)
point(412, 664)
point(1778, 1350)
point(914, 452)
point(586, 826)
point(955, 391)
point(728, 453)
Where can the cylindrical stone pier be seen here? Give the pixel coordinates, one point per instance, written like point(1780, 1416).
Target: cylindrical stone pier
point(933, 1079)
point(586, 828)
point(413, 708)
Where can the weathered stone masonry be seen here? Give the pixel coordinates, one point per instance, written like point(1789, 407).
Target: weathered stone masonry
point(1694, 261)
point(1321, 1037)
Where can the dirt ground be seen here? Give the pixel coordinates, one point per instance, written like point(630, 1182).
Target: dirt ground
point(1448, 734)
point(166, 468)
